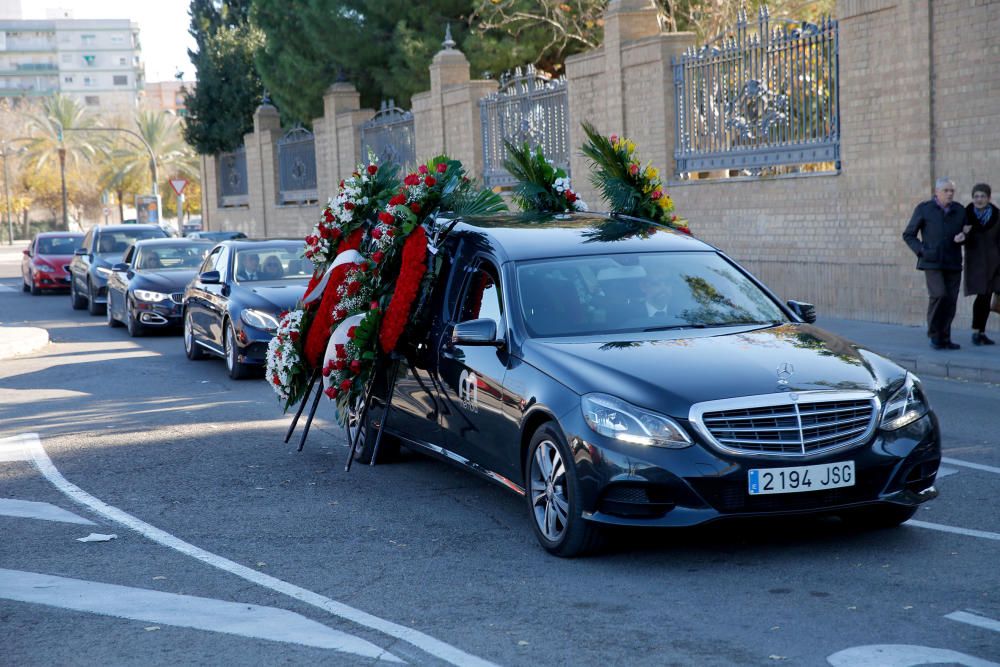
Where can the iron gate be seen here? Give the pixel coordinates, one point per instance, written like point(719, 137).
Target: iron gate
point(389, 136)
point(297, 167)
point(754, 99)
point(232, 170)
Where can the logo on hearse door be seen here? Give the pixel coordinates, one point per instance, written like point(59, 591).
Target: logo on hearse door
point(468, 391)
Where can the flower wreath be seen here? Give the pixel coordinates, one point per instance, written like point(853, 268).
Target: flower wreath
point(286, 369)
point(629, 189)
point(541, 186)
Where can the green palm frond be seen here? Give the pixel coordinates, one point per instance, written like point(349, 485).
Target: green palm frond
point(472, 199)
point(611, 176)
point(535, 177)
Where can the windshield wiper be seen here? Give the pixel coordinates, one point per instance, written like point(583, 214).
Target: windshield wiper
point(671, 327)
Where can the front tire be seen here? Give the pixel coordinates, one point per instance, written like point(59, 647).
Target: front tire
point(112, 322)
point(77, 301)
point(93, 307)
point(237, 369)
point(388, 448)
point(191, 347)
point(134, 326)
point(878, 517)
point(554, 497)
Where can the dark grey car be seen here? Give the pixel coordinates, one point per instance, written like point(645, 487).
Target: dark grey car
point(102, 248)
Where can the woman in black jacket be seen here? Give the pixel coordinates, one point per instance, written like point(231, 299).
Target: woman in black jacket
point(982, 258)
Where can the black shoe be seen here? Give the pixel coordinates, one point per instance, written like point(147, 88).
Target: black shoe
point(947, 345)
point(981, 339)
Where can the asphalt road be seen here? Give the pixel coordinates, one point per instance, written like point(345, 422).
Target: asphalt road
point(234, 548)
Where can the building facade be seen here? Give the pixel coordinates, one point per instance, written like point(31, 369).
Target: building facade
point(97, 62)
point(167, 96)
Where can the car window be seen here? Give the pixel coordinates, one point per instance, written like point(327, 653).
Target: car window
point(87, 240)
point(636, 292)
point(481, 298)
point(174, 256)
point(258, 263)
point(211, 260)
point(129, 255)
point(57, 245)
point(111, 242)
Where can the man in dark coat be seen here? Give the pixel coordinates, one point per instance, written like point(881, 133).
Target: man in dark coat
point(935, 236)
point(982, 258)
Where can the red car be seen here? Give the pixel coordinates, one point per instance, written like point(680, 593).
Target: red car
point(45, 265)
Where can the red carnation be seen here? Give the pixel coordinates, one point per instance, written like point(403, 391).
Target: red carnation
point(422, 169)
point(377, 256)
point(353, 288)
point(633, 169)
point(331, 393)
point(294, 335)
point(372, 169)
point(338, 365)
point(341, 182)
point(328, 215)
point(656, 194)
point(441, 168)
point(327, 370)
point(373, 305)
point(570, 196)
point(339, 314)
point(340, 351)
point(345, 385)
point(311, 240)
point(376, 233)
point(390, 232)
point(397, 200)
point(275, 380)
point(282, 314)
point(386, 217)
point(415, 206)
point(411, 272)
point(351, 332)
point(348, 206)
point(412, 179)
point(430, 181)
point(355, 366)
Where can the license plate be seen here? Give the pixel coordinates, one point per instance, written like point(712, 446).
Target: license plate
point(797, 479)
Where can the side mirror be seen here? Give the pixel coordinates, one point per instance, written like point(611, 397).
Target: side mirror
point(121, 266)
point(80, 252)
point(476, 332)
point(210, 278)
point(806, 311)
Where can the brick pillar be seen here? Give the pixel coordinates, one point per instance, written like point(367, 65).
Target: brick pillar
point(338, 143)
point(624, 21)
point(262, 165)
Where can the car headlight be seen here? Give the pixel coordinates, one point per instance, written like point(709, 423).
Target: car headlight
point(103, 271)
point(146, 295)
point(905, 406)
point(42, 266)
point(259, 319)
point(614, 418)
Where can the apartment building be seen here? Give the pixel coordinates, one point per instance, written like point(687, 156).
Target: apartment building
point(96, 61)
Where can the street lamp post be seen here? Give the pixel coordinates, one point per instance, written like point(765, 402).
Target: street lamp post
point(6, 192)
point(62, 177)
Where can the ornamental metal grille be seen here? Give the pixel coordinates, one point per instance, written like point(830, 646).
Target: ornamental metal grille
point(528, 107)
point(749, 100)
point(297, 167)
point(389, 136)
point(232, 172)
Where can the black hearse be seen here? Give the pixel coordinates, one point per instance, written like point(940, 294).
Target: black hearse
point(648, 380)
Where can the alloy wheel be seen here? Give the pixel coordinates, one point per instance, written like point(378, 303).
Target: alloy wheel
point(230, 349)
point(547, 486)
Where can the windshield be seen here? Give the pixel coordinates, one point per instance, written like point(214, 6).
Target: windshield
point(115, 242)
point(58, 245)
point(271, 263)
point(638, 292)
point(176, 256)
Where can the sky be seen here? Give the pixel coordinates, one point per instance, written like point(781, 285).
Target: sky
point(163, 29)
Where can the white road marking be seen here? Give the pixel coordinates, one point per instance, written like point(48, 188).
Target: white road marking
point(945, 471)
point(974, 619)
point(44, 511)
point(32, 445)
point(903, 655)
point(969, 532)
point(967, 464)
point(5, 288)
point(185, 611)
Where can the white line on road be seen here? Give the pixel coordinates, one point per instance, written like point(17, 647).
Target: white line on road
point(45, 511)
point(903, 655)
point(968, 532)
point(974, 619)
point(185, 611)
point(945, 471)
point(967, 464)
point(5, 288)
point(32, 445)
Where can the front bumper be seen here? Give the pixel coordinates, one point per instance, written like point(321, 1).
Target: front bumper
point(161, 314)
point(635, 485)
point(48, 280)
point(252, 344)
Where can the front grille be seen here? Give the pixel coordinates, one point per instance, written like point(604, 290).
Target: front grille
point(177, 297)
point(788, 424)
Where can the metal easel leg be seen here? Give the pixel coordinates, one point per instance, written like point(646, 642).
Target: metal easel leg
point(302, 405)
point(385, 412)
point(309, 420)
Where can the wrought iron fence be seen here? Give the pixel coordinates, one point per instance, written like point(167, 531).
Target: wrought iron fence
point(528, 107)
point(297, 167)
point(389, 136)
point(754, 99)
point(232, 172)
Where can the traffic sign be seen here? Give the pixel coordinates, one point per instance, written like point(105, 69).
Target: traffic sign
point(107, 211)
point(178, 184)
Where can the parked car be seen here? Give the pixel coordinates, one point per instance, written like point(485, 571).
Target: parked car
point(217, 236)
point(193, 224)
point(648, 382)
point(102, 248)
point(145, 290)
point(45, 265)
point(231, 308)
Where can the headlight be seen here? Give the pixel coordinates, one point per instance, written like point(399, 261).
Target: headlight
point(146, 295)
point(103, 271)
point(259, 319)
point(614, 418)
point(905, 406)
point(42, 266)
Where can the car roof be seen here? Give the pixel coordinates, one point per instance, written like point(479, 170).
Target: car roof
point(118, 228)
point(56, 235)
point(520, 236)
point(239, 243)
point(172, 241)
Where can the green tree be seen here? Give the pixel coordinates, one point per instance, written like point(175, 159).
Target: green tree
point(220, 109)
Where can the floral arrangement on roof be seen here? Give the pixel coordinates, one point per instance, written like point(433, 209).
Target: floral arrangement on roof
point(541, 186)
point(629, 188)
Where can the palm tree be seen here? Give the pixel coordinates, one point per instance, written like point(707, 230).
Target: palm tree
point(52, 136)
point(162, 132)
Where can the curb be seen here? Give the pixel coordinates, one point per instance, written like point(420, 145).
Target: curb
point(17, 341)
point(953, 371)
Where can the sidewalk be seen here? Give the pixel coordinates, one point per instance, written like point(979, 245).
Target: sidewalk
point(909, 347)
point(15, 341)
